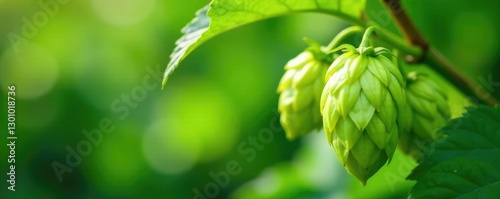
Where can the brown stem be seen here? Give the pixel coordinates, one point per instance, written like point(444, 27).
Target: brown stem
point(434, 58)
point(446, 69)
point(406, 25)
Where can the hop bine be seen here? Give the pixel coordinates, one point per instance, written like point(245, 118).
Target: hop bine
point(362, 106)
point(300, 89)
point(427, 111)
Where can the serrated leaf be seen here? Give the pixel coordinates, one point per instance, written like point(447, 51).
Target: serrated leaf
point(475, 136)
point(193, 31)
point(459, 178)
point(222, 15)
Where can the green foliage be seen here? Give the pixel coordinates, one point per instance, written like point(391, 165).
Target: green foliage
point(459, 178)
point(223, 15)
point(70, 75)
point(475, 136)
point(467, 162)
point(464, 163)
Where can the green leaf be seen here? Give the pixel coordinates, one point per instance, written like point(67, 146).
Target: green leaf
point(475, 136)
point(459, 178)
point(467, 163)
point(222, 15)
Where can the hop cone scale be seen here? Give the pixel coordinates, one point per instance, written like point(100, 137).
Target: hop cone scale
point(362, 106)
point(427, 111)
point(300, 91)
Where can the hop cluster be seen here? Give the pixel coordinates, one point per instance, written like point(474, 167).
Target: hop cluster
point(362, 106)
point(427, 111)
point(300, 91)
point(361, 101)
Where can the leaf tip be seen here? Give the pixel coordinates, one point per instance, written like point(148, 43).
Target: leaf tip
point(164, 82)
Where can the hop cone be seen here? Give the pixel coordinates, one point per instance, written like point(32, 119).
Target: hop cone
point(362, 105)
point(427, 111)
point(300, 89)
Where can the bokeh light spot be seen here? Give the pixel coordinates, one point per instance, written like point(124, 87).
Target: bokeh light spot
point(123, 12)
point(195, 122)
point(170, 148)
point(104, 75)
point(206, 113)
point(33, 69)
point(119, 160)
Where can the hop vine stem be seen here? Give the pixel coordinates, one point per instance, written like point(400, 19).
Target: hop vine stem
point(365, 42)
point(337, 40)
point(431, 55)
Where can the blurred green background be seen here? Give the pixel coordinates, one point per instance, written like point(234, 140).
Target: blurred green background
point(79, 63)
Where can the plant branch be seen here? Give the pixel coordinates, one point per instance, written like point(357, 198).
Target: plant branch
point(433, 57)
point(398, 43)
point(337, 40)
point(446, 69)
point(405, 24)
point(365, 42)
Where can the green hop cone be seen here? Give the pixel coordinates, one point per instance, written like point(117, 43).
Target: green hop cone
point(362, 106)
point(427, 111)
point(300, 91)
